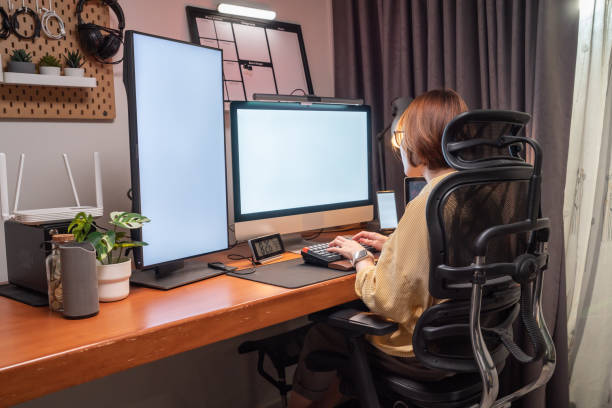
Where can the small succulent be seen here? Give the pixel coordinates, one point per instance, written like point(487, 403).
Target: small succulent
point(49, 61)
point(74, 59)
point(21, 56)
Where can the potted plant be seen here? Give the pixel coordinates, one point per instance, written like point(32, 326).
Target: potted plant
point(114, 267)
point(74, 62)
point(21, 61)
point(49, 65)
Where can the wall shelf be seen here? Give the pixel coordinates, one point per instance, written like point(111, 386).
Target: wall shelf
point(15, 78)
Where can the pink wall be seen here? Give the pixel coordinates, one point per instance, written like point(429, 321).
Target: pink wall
point(167, 18)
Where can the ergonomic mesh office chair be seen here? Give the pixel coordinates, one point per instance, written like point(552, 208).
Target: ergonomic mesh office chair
point(488, 252)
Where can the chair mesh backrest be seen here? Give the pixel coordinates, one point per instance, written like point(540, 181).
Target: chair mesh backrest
point(476, 139)
point(470, 209)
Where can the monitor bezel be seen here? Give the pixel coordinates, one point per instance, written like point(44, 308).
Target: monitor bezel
point(129, 80)
point(235, 106)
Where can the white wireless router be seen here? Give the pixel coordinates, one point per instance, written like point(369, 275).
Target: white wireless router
point(48, 214)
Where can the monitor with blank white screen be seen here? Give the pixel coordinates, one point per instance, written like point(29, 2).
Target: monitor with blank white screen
point(299, 167)
point(177, 143)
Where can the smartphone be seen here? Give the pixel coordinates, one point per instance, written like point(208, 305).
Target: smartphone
point(412, 188)
point(387, 211)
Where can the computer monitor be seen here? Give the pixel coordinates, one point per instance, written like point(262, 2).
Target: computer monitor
point(177, 150)
point(299, 167)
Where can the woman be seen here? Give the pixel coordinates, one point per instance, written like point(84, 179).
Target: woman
point(397, 286)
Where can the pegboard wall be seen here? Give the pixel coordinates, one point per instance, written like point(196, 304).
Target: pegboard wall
point(41, 102)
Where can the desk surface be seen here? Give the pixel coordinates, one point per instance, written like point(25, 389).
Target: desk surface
point(41, 352)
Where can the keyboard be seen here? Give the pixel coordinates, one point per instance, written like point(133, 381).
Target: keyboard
point(318, 255)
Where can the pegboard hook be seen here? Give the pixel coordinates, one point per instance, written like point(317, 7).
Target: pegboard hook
point(23, 6)
point(38, 9)
point(10, 5)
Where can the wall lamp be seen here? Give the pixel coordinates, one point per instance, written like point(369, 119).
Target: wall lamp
point(246, 11)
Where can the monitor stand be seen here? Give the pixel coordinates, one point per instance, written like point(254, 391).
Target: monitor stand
point(295, 242)
point(173, 275)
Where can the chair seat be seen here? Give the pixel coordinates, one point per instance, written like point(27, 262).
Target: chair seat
point(456, 391)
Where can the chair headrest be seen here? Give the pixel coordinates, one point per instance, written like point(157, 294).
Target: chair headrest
point(486, 138)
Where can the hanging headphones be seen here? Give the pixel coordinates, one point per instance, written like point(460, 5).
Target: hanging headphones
point(5, 26)
point(93, 41)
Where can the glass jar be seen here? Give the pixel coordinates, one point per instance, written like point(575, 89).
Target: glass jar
point(54, 272)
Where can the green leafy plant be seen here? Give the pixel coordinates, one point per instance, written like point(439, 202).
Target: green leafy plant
point(21, 56)
point(74, 59)
point(108, 241)
point(49, 61)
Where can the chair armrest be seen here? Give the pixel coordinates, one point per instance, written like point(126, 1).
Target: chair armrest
point(356, 322)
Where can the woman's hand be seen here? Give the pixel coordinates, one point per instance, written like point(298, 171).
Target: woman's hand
point(344, 246)
point(372, 239)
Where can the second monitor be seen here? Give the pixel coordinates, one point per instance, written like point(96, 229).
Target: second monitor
point(299, 167)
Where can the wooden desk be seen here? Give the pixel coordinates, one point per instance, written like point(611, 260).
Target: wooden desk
point(41, 352)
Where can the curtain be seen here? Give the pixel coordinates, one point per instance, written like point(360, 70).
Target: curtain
point(587, 211)
point(511, 54)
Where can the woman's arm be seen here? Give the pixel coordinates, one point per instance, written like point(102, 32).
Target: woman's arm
point(397, 287)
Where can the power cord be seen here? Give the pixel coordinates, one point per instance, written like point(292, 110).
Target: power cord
point(46, 17)
point(15, 22)
point(5, 28)
point(238, 257)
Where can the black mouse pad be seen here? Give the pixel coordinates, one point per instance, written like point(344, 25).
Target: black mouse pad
point(291, 274)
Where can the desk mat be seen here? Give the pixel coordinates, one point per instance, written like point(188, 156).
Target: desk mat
point(291, 274)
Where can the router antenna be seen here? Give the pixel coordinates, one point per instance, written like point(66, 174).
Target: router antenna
point(3, 188)
point(19, 178)
point(74, 192)
point(98, 178)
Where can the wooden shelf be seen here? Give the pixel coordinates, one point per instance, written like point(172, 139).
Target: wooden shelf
point(15, 78)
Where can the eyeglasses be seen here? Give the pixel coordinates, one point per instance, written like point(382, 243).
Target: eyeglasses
point(398, 136)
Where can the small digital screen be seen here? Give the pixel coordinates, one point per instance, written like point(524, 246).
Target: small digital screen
point(387, 211)
point(267, 247)
point(413, 187)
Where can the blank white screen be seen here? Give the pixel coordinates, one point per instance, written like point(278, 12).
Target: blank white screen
point(387, 212)
point(299, 158)
point(181, 150)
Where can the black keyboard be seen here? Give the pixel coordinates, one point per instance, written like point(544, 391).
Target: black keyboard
point(318, 255)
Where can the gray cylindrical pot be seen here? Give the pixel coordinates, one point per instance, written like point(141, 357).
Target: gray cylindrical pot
point(21, 67)
point(79, 280)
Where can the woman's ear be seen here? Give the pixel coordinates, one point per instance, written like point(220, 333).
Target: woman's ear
point(415, 160)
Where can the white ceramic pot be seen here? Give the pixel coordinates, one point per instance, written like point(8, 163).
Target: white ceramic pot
point(114, 281)
point(50, 70)
point(74, 72)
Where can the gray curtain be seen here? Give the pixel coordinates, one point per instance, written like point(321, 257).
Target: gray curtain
point(506, 54)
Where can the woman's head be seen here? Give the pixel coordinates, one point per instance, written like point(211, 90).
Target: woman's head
point(419, 130)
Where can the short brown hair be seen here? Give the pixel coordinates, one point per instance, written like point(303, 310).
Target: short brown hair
point(419, 129)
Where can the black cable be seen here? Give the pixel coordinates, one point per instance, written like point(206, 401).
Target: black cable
point(245, 271)
point(298, 89)
point(315, 235)
point(238, 257)
point(5, 29)
point(15, 23)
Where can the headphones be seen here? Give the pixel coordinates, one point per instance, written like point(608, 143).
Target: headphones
point(93, 41)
